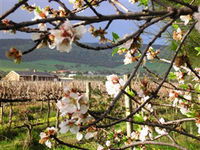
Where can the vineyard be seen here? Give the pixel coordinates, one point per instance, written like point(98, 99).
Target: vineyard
point(27, 108)
point(31, 105)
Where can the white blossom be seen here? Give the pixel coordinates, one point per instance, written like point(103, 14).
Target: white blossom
point(69, 125)
point(198, 126)
point(48, 144)
point(160, 131)
point(108, 143)
point(90, 135)
point(40, 13)
point(135, 135)
point(100, 147)
point(113, 85)
point(45, 136)
point(143, 133)
point(128, 58)
point(186, 19)
point(162, 120)
point(184, 110)
point(79, 136)
point(65, 105)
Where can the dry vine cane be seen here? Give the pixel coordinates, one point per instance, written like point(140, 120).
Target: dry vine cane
point(74, 106)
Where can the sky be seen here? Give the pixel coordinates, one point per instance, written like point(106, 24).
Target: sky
point(119, 27)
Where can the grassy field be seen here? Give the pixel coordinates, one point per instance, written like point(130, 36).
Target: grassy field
point(17, 139)
point(51, 65)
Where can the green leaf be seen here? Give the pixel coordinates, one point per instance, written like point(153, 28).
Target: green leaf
point(198, 50)
point(174, 45)
point(38, 10)
point(143, 2)
point(175, 26)
point(197, 87)
point(191, 114)
point(115, 36)
point(172, 76)
point(138, 118)
point(130, 92)
point(184, 86)
point(137, 148)
point(115, 50)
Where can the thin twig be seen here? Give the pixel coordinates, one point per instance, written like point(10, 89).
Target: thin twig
point(13, 9)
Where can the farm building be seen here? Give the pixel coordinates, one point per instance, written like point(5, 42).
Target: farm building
point(30, 76)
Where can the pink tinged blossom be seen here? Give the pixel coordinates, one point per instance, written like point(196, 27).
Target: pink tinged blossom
point(62, 42)
point(40, 13)
point(37, 36)
point(175, 94)
point(45, 136)
point(65, 35)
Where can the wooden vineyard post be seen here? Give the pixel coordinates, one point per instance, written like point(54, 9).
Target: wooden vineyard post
point(128, 107)
point(1, 113)
point(49, 111)
point(10, 115)
point(41, 108)
point(88, 90)
point(57, 118)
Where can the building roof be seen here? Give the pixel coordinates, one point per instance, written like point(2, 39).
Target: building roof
point(29, 73)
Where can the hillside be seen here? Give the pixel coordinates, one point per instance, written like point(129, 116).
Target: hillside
point(78, 59)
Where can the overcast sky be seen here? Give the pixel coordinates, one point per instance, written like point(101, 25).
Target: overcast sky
point(120, 27)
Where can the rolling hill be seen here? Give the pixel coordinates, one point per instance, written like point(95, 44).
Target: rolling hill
point(78, 59)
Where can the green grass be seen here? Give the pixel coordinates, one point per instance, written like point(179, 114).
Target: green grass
point(14, 139)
